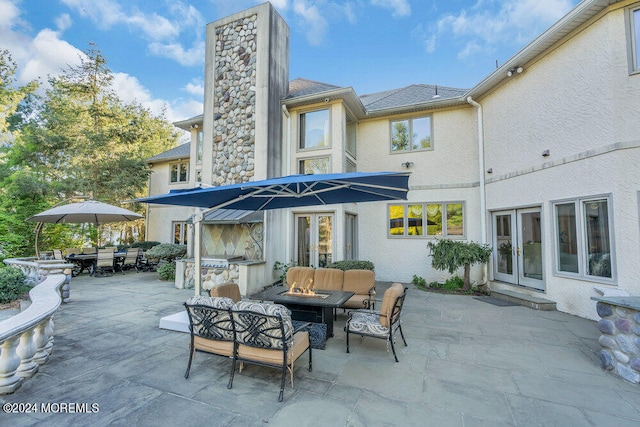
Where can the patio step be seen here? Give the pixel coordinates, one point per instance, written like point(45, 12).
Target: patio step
point(525, 300)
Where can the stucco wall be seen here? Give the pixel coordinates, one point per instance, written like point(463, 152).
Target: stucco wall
point(580, 103)
point(447, 173)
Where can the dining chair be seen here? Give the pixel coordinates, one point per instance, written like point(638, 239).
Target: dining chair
point(105, 262)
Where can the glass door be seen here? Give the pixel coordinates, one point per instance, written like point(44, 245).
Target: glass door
point(517, 247)
point(350, 237)
point(314, 239)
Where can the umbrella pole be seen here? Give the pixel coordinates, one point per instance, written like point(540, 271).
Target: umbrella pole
point(197, 251)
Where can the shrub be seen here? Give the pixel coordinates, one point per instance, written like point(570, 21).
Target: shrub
point(12, 284)
point(352, 264)
point(419, 282)
point(166, 251)
point(452, 284)
point(449, 255)
point(167, 271)
point(283, 268)
point(145, 246)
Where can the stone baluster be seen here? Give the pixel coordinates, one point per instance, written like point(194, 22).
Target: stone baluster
point(9, 363)
point(26, 350)
point(41, 340)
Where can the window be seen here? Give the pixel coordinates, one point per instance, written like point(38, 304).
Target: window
point(199, 147)
point(180, 233)
point(316, 165)
point(411, 134)
point(314, 129)
point(634, 38)
point(583, 241)
point(179, 172)
point(350, 131)
point(441, 219)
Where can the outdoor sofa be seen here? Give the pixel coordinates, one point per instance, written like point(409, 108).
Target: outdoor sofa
point(360, 282)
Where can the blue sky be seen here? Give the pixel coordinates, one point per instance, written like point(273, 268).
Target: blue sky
point(156, 47)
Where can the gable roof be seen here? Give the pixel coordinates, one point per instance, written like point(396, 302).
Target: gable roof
point(303, 87)
point(410, 95)
point(180, 152)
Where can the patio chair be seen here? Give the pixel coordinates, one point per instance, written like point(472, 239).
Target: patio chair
point(89, 251)
point(130, 260)
point(264, 335)
point(57, 254)
point(210, 327)
point(380, 324)
point(105, 262)
point(229, 290)
point(72, 251)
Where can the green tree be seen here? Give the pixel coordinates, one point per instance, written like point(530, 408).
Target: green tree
point(80, 139)
point(450, 255)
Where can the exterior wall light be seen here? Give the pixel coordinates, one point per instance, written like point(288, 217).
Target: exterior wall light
point(515, 70)
point(407, 165)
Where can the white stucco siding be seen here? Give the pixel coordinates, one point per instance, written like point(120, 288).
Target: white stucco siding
point(613, 174)
point(566, 102)
point(399, 258)
point(452, 161)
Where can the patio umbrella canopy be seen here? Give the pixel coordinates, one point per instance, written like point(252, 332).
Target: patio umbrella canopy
point(91, 211)
point(293, 191)
point(286, 192)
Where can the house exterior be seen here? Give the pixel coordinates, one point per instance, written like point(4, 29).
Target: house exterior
point(539, 159)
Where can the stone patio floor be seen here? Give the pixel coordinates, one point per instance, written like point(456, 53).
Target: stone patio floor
point(468, 363)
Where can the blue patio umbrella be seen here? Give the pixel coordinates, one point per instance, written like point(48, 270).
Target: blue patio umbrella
point(287, 192)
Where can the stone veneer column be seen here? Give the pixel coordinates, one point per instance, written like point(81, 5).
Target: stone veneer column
point(246, 78)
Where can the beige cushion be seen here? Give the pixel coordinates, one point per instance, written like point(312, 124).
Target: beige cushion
point(357, 301)
point(229, 290)
point(275, 357)
point(359, 282)
point(223, 348)
point(328, 279)
point(300, 276)
point(388, 300)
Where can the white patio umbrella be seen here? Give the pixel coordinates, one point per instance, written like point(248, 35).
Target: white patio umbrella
point(88, 212)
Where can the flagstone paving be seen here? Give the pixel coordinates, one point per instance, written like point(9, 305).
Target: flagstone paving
point(468, 363)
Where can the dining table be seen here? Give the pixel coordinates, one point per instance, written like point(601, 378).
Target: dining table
point(88, 262)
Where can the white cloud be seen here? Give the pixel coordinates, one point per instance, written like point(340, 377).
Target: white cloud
point(175, 51)
point(313, 20)
point(48, 56)
point(63, 22)
point(195, 88)
point(399, 7)
point(483, 27)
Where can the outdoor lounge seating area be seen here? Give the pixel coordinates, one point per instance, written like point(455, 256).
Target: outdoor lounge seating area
point(541, 367)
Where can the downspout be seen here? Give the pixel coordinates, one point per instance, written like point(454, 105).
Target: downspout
point(483, 207)
point(287, 171)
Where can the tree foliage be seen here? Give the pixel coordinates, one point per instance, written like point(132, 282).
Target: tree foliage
point(78, 139)
point(449, 255)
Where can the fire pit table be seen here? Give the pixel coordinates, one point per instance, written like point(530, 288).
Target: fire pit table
point(316, 308)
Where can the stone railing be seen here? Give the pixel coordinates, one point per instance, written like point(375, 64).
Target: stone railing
point(36, 271)
point(620, 339)
point(26, 339)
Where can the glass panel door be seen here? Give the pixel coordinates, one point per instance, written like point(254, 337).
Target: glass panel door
point(351, 237)
point(314, 240)
point(517, 247)
point(530, 248)
point(504, 252)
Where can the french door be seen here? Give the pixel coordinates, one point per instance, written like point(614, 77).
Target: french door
point(314, 239)
point(517, 247)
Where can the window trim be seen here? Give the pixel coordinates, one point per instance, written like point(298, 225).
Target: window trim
point(177, 181)
point(184, 232)
point(424, 234)
point(633, 38)
point(581, 236)
point(410, 120)
point(329, 142)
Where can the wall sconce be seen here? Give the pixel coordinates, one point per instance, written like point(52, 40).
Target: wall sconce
point(515, 70)
point(407, 165)
point(546, 153)
point(490, 170)
point(194, 126)
point(150, 165)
